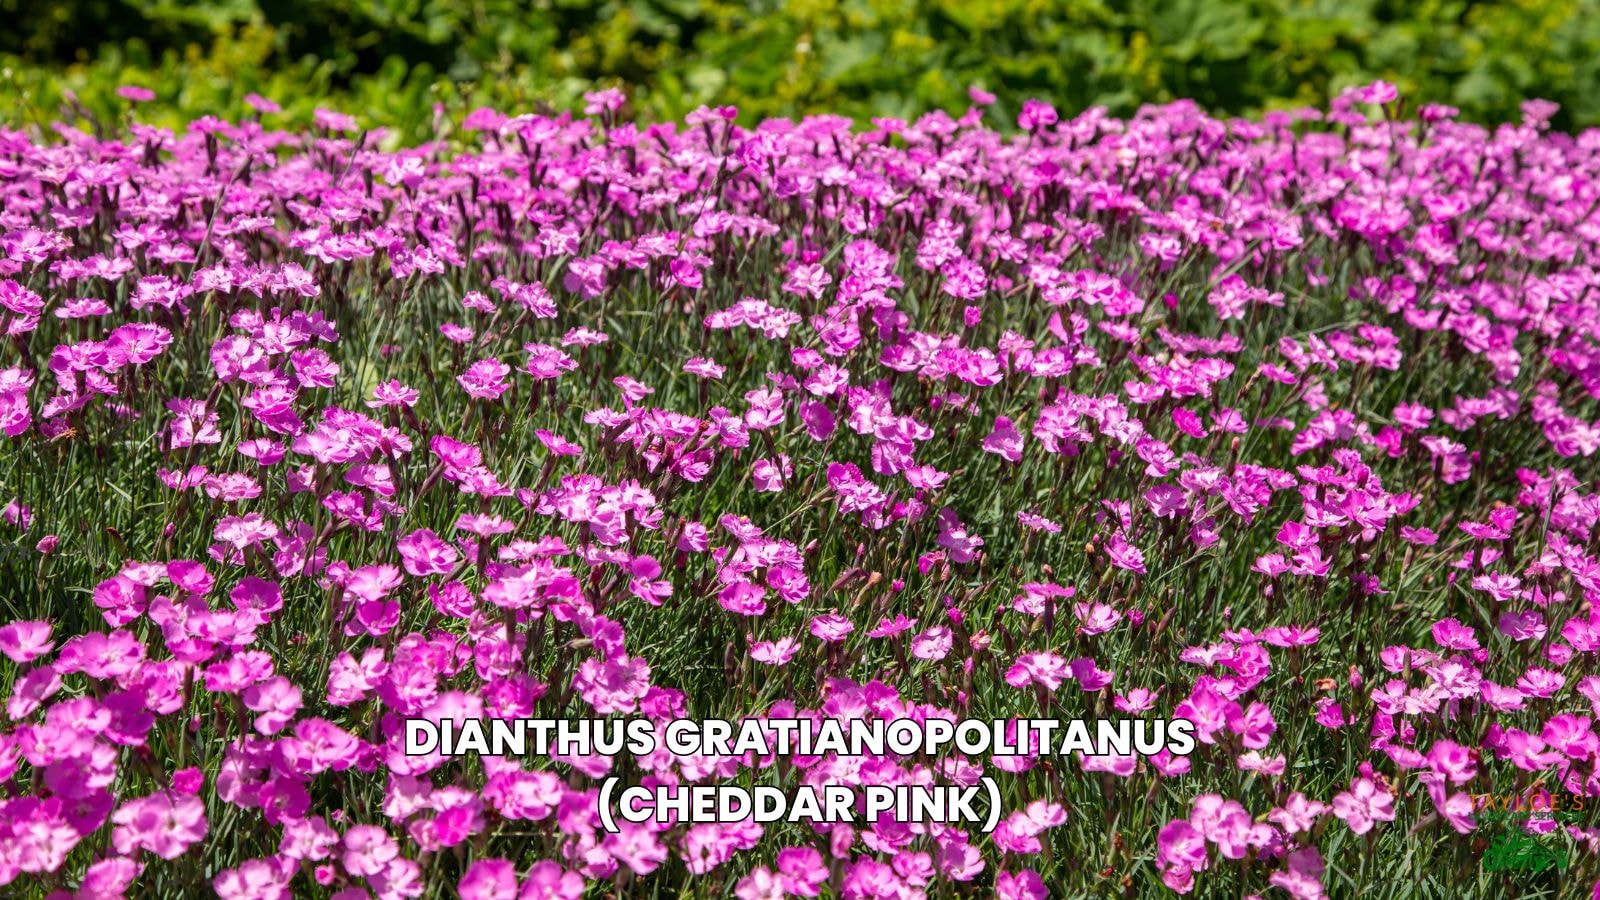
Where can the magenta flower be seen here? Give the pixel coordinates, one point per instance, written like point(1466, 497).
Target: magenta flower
point(164, 824)
point(774, 653)
point(393, 393)
point(932, 644)
point(276, 700)
point(1363, 805)
point(25, 641)
point(1004, 441)
point(1302, 877)
point(424, 553)
point(1045, 669)
point(485, 379)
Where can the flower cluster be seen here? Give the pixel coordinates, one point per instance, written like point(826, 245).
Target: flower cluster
point(1284, 427)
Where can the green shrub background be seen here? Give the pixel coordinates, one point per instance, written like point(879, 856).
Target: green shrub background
point(390, 61)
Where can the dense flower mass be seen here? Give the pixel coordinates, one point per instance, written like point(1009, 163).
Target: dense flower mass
point(1284, 427)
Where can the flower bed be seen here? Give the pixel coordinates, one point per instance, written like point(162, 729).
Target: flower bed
point(1285, 428)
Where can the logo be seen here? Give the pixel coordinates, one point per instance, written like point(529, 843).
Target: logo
point(1537, 804)
point(1515, 851)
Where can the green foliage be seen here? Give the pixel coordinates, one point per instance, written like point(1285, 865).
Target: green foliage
point(390, 61)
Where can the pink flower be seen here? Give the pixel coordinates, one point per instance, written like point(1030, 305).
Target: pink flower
point(1124, 555)
point(1378, 92)
point(1036, 114)
point(954, 537)
point(548, 881)
point(1180, 852)
point(109, 877)
point(1302, 877)
point(393, 393)
point(774, 653)
point(1363, 805)
point(1298, 813)
point(769, 476)
point(261, 104)
point(1453, 761)
point(704, 368)
point(25, 641)
point(368, 850)
point(485, 379)
point(831, 628)
point(164, 823)
point(18, 514)
point(1253, 724)
point(603, 101)
point(424, 553)
point(933, 644)
point(1188, 422)
point(1045, 669)
point(760, 884)
point(276, 700)
point(489, 879)
point(808, 280)
point(254, 879)
point(635, 847)
point(1004, 441)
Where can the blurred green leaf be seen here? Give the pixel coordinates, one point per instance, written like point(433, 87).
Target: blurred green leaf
point(784, 57)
